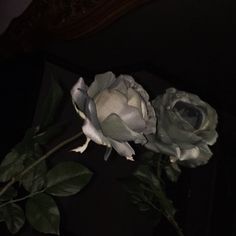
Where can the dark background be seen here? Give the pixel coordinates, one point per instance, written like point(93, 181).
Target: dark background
point(190, 45)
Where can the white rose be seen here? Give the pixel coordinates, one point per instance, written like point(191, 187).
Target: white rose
point(186, 126)
point(115, 111)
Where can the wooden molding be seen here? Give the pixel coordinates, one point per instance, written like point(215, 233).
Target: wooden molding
point(47, 20)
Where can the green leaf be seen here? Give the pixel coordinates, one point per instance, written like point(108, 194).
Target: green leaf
point(13, 216)
point(147, 188)
point(34, 180)
point(11, 165)
point(9, 194)
point(153, 184)
point(67, 178)
point(43, 214)
point(50, 104)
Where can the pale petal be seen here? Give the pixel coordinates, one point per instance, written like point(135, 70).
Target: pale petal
point(113, 127)
point(101, 82)
point(79, 95)
point(130, 158)
point(150, 118)
point(120, 86)
point(91, 113)
point(80, 84)
point(209, 136)
point(203, 157)
point(108, 102)
point(132, 117)
point(134, 99)
point(96, 135)
point(131, 83)
point(82, 148)
point(86, 107)
point(144, 110)
point(189, 154)
point(123, 149)
point(107, 153)
point(158, 146)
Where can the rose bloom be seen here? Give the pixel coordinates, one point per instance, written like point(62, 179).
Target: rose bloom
point(185, 127)
point(115, 111)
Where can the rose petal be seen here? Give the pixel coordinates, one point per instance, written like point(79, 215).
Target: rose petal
point(134, 99)
point(203, 157)
point(151, 119)
point(91, 113)
point(132, 117)
point(96, 135)
point(123, 148)
point(80, 84)
point(107, 153)
point(131, 83)
point(208, 136)
point(189, 154)
point(108, 102)
point(113, 127)
point(101, 82)
point(82, 148)
point(120, 86)
point(79, 95)
point(174, 131)
point(158, 146)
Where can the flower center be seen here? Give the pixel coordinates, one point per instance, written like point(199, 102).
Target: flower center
point(108, 102)
point(189, 113)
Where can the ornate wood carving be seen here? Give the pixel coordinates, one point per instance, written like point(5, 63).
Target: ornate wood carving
point(47, 20)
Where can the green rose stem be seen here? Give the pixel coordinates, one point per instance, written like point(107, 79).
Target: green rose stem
point(168, 217)
point(22, 198)
point(49, 153)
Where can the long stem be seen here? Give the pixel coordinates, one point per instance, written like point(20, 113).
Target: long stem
point(22, 198)
point(169, 218)
point(173, 222)
point(167, 215)
point(49, 153)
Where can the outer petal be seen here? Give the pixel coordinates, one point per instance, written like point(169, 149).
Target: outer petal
point(189, 154)
point(96, 135)
point(80, 84)
point(120, 86)
point(158, 146)
point(79, 95)
point(151, 116)
point(151, 120)
point(91, 113)
point(101, 82)
point(123, 148)
point(113, 127)
point(134, 99)
point(132, 117)
point(130, 82)
point(209, 136)
point(203, 157)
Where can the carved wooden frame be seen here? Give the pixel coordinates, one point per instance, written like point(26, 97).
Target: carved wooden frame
point(47, 20)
